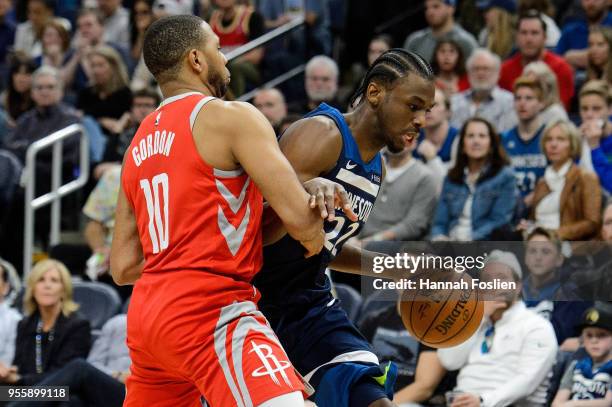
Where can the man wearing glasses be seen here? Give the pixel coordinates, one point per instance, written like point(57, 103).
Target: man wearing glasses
point(508, 359)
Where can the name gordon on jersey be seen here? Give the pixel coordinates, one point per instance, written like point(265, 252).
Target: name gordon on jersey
point(360, 206)
point(159, 142)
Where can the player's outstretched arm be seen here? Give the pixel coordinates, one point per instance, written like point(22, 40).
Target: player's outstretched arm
point(126, 258)
point(254, 147)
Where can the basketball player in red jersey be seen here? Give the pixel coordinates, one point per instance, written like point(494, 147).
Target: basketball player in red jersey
point(188, 228)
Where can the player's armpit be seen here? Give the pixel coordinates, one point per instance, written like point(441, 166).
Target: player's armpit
point(126, 258)
point(254, 146)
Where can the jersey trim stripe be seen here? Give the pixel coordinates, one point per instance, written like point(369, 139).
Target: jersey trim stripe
point(175, 98)
point(196, 110)
point(358, 182)
point(355, 356)
point(227, 173)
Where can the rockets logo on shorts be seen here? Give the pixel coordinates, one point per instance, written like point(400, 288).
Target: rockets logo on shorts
point(271, 364)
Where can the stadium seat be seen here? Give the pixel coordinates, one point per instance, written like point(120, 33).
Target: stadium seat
point(350, 300)
point(98, 302)
point(376, 301)
point(126, 305)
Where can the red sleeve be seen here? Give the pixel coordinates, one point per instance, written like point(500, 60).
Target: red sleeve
point(565, 77)
point(464, 83)
point(508, 74)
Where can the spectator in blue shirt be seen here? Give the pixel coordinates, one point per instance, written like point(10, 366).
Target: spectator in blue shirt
point(479, 194)
point(547, 292)
point(596, 129)
point(575, 35)
point(7, 34)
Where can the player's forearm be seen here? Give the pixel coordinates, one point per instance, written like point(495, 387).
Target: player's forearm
point(128, 275)
point(354, 260)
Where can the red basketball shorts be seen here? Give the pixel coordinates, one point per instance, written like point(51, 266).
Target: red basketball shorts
point(190, 334)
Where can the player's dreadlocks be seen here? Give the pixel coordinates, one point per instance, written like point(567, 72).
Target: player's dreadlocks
point(391, 65)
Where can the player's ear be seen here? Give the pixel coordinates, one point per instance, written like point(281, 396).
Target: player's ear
point(197, 61)
point(375, 93)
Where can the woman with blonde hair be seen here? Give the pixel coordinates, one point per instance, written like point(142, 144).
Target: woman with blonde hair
point(600, 54)
point(553, 109)
point(108, 98)
point(567, 199)
point(51, 334)
point(500, 20)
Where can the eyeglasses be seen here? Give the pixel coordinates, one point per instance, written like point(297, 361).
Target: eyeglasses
point(44, 87)
point(487, 343)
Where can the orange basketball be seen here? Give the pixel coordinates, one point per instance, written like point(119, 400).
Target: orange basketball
point(443, 317)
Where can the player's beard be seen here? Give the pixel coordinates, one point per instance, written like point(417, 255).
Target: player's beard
point(218, 82)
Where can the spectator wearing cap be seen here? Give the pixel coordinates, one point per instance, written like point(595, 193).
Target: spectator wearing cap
point(498, 33)
point(439, 16)
point(484, 98)
point(587, 381)
point(9, 318)
point(531, 41)
point(575, 34)
point(507, 360)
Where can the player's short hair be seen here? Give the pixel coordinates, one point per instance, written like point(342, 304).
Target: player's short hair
point(390, 66)
point(167, 41)
point(527, 82)
point(599, 88)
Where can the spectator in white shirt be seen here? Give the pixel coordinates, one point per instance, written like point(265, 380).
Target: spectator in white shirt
point(9, 318)
point(506, 362)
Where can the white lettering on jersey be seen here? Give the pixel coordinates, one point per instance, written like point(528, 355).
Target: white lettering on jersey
point(158, 143)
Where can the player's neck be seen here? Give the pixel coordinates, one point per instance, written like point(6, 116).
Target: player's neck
point(175, 88)
point(365, 129)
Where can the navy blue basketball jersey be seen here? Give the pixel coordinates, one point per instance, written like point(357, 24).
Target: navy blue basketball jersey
point(527, 158)
point(285, 271)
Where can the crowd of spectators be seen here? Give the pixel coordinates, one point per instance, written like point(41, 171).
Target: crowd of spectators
point(518, 146)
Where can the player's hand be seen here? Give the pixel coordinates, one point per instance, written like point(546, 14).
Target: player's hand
point(327, 195)
point(314, 245)
point(466, 400)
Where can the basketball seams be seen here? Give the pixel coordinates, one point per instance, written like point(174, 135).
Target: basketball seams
point(466, 323)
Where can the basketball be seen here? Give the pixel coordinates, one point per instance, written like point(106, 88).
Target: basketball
point(443, 317)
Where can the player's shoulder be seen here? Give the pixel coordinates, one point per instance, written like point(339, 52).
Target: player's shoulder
point(231, 116)
point(321, 128)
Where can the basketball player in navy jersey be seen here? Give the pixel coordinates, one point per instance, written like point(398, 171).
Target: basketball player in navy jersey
point(324, 346)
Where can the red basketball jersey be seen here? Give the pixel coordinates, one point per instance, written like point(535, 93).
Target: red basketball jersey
point(190, 215)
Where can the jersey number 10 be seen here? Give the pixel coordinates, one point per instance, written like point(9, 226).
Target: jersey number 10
point(158, 226)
